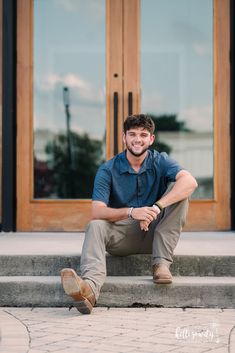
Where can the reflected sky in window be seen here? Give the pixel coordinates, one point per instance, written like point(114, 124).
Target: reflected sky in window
point(177, 60)
point(69, 50)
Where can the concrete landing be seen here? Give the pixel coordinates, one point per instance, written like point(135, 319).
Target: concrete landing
point(190, 243)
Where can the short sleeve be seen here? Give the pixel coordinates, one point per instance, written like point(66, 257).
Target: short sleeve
point(102, 186)
point(169, 166)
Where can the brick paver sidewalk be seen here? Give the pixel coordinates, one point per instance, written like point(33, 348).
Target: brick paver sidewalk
point(114, 330)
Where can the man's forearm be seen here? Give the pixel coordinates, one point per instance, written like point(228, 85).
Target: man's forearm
point(101, 211)
point(183, 188)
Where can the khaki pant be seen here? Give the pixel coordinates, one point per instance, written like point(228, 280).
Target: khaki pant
point(125, 238)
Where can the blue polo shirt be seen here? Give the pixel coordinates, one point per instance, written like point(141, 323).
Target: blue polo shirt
point(118, 185)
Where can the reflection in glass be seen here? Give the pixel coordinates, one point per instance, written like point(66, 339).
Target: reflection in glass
point(177, 82)
point(69, 96)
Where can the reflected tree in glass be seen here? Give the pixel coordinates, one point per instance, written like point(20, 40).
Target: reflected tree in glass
point(166, 122)
point(70, 176)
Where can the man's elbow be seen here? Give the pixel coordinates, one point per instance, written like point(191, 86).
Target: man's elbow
point(194, 184)
point(189, 180)
point(97, 209)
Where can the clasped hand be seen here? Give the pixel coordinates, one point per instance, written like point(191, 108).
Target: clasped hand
point(145, 215)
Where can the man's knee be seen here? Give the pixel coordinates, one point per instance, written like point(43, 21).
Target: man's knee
point(174, 216)
point(98, 228)
point(183, 206)
point(179, 211)
point(97, 223)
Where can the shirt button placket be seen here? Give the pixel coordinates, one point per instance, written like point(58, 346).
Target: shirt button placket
point(139, 189)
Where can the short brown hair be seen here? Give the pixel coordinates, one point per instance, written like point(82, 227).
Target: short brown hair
point(139, 120)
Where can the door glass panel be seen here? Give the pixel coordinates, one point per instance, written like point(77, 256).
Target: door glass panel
point(68, 96)
point(177, 82)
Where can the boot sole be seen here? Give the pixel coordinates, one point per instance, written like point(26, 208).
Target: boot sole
point(83, 306)
point(162, 281)
point(72, 288)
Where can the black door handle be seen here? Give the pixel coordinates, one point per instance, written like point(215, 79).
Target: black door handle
point(130, 103)
point(115, 123)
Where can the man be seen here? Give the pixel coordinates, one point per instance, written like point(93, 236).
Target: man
point(139, 206)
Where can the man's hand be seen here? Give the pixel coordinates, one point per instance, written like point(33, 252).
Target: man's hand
point(144, 224)
point(145, 215)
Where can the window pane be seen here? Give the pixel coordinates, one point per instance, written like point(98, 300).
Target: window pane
point(69, 96)
point(177, 82)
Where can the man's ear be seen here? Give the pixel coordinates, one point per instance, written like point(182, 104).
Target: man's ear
point(124, 137)
point(152, 138)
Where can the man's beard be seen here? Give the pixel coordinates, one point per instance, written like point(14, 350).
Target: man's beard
point(136, 154)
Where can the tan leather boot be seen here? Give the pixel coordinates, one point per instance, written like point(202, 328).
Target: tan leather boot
point(79, 290)
point(161, 274)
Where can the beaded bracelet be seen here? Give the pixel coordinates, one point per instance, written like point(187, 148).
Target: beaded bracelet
point(130, 212)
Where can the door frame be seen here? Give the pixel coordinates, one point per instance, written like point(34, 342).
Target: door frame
point(216, 214)
point(46, 215)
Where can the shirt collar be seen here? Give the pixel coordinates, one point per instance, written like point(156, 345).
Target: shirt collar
point(126, 168)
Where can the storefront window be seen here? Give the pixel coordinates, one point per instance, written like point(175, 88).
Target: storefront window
point(69, 97)
point(177, 82)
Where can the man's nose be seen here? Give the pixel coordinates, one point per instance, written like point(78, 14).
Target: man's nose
point(137, 138)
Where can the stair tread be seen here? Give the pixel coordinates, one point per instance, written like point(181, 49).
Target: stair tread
point(146, 280)
point(47, 291)
point(78, 255)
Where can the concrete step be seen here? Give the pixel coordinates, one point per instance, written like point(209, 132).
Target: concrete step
point(45, 291)
point(197, 254)
point(133, 265)
point(204, 270)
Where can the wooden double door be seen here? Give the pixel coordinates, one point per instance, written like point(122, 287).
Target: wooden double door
point(82, 67)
